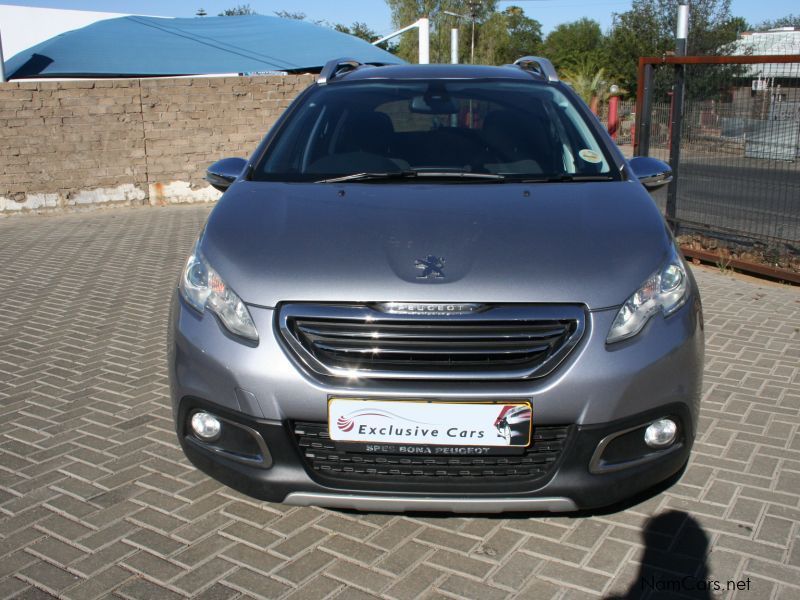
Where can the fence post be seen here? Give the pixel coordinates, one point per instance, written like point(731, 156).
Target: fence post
point(644, 106)
point(676, 116)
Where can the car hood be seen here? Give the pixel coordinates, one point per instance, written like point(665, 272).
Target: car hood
point(588, 243)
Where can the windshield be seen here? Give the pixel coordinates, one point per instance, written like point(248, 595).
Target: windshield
point(435, 128)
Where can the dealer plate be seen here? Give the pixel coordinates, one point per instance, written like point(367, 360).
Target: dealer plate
point(504, 424)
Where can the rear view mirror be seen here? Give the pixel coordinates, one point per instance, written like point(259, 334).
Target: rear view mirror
point(432, 104)
point(651, 172)
point(224, 172)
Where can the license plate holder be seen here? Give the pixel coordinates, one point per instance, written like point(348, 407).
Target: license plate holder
point(491, 424)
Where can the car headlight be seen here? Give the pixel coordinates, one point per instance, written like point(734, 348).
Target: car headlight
point(203, 288)
point(665, 290)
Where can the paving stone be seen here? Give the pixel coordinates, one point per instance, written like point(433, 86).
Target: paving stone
point(48, 577)
point(415, 583)
point(99, 585)
point(304, 567)
point(141, 589)
point(316, 589)
point(358, 576)
point(197, 579)
point(55, 551)
point(453, 561)
point(152, 566)
point(253, 583)
point(255, 559)
point(463, 587)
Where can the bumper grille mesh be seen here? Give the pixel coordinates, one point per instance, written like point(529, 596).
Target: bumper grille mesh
point(322, 456)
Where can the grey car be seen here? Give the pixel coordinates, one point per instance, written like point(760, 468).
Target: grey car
point(437, 287)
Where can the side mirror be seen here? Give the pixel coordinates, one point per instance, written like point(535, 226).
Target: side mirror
point(651, 172)
point(224, 172)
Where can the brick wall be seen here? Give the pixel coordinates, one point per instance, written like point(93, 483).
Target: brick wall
point(77, 144)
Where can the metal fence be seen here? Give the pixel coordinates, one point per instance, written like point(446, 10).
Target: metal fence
point(737, 159)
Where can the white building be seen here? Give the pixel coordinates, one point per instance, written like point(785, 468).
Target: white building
point(782, 41)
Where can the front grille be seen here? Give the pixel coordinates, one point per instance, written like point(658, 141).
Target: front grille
point(499, 343)
point(323, 457)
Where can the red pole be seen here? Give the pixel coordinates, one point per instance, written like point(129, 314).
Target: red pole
point(613, 116)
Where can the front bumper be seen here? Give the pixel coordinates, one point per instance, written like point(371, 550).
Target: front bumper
point(598, 391)
point(569, 486)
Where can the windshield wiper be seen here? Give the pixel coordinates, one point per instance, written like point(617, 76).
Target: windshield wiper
point(414, 174)
point(368, 176)
point(565, 178)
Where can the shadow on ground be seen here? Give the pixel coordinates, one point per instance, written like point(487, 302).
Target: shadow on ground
point(674, 560)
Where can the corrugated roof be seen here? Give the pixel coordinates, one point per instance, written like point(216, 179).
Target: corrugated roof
point(783, 42)
point(151, 46)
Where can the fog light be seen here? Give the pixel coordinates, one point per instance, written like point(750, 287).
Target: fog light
point(661, 433)
point(206, 426)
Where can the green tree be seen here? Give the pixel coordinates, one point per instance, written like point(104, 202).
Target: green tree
point(787, 21)
point(589, 83)
point(577, 43)
point(648, 29)
point(358, 29)
point(287, 14)
point(506, 36)
point(240, 10)
point(405, 12)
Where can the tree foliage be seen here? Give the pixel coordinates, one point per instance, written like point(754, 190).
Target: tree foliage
point(500, 36)
point(576, 44)
point(791, 20)
point(648, 29)
point(506, 36)
point(358, 29)
point(240, 10)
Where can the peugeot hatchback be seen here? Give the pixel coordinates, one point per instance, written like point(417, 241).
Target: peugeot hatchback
point(437, 287)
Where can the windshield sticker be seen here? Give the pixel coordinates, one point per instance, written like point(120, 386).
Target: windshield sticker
point(590, 156)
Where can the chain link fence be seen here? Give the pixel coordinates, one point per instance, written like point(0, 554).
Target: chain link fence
point(737, 190)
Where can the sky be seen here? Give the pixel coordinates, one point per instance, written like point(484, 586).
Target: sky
point(375, 13)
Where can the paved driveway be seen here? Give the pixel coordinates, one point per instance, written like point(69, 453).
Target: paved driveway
point(97, 500)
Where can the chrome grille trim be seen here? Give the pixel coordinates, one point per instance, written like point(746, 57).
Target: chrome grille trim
point(499, 343)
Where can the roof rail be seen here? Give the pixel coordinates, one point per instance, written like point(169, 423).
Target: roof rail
point(333, 67)
point(537, 64)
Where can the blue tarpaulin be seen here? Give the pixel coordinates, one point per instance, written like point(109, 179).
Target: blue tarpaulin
point(150, 46)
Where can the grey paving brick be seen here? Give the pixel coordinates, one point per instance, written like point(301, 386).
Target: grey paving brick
point(446, 539)
point(48, 577)
point(515, 571)
point(240, 531)
point(257, 560)
point(141, 589)
point(202, 550)
point(153, 542)
point(567, 574)
point(339, 545)
point(453, 561)
point(404, 557)
point(99, 585)
point(253, 583)
point(358, 576)
point(316, 589)
point(55, 551)
point(463, 587)
point(304, 567)
point(415, 583)
point(198, 579)
point(152, 566)
point(217, 592)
